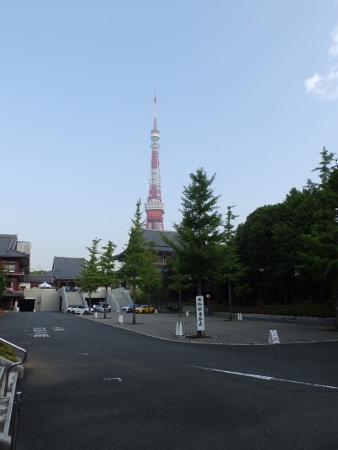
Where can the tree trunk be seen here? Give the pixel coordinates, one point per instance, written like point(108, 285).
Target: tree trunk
point(199, 286)
point(336, 305)
point(90, 302)
point(105, 304)
point(134, 302)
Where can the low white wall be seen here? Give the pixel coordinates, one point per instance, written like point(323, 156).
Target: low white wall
point(45, 299)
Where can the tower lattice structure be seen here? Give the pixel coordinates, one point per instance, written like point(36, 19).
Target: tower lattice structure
point(155, 207)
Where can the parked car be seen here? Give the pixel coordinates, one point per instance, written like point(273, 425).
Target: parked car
point(129, 308)
point(144, 309)
point(100, 308)
point(71, 288)
point(80, 309)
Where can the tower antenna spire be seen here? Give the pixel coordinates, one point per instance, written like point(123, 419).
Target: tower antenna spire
point(154, 206)
point(155, 111)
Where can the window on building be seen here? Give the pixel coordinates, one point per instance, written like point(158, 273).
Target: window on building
point(9, 266)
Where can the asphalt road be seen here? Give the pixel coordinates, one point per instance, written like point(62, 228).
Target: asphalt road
point(89, 386)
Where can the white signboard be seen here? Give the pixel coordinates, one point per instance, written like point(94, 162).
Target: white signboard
point(273, 337)
point(200, 313)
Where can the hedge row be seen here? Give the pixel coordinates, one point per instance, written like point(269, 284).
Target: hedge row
point(280, 310)
point(7, 352)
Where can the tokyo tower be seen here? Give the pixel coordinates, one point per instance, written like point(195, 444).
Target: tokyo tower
point(154, 207)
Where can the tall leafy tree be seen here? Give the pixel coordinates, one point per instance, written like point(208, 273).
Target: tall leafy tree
point(257, 249)
point(107, 269)
point(135, 254)
point(231, 269)
point(321, 244)
point(297, 218)
point(199, 232)
point(179, 282)
point(150, 275)
point(90, 277)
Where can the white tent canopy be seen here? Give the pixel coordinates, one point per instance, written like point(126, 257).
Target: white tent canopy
point(45, 285)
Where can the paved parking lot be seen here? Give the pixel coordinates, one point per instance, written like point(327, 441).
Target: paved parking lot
point(219, 330)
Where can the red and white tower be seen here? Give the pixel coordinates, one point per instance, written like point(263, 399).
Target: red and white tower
point(154, 206)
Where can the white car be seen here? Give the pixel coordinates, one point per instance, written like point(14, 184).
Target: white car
point(80, 309)
point(100, 308)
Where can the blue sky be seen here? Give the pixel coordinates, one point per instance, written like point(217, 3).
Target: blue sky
point(245, 89)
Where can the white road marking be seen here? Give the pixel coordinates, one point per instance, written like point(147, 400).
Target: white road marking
point(110, 379)
point(262, 377)
point(40, 332)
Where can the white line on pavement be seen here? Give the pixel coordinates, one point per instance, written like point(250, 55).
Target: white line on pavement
point(262, 377)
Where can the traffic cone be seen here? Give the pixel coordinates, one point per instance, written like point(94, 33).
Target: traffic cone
point(179, 329)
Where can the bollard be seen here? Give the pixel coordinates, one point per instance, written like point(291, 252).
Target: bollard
point(179, 329)
point(120, 319)
point(155, 311)
point(95, 315)
point(187, 313)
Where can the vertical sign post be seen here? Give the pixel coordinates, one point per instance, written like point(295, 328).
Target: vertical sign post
point(200, 314)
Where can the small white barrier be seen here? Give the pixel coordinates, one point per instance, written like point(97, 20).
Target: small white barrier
point(179, 329)
point(120, 318)
point(239, 316)
point(187, 313)
point(273, 337)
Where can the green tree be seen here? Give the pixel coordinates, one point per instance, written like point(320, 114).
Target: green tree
point(257, 249)
point(198, 233)
point(90, 277)
point(135, 254)
point(231, 269)
point(107, 269)
point(178, 281)
point(321, 244)
point(150, 275)
point(296, 218)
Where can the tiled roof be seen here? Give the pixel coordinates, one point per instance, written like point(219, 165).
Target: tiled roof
point(7, 246)
point(39, 278)
point(156, 237)
point(67, 267)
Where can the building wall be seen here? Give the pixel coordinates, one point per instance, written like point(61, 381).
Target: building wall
point(45, 299)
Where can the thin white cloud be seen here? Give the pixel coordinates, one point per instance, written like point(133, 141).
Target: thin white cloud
point(325, 87)
point(333, 51)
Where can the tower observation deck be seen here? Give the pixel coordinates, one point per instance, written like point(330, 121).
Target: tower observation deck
point(154, 207)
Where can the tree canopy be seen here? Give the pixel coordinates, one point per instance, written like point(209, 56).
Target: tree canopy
point(138, 259)
point(199, 233)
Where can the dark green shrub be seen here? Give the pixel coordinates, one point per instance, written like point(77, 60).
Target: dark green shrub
point(7, 352)
point(308, 310)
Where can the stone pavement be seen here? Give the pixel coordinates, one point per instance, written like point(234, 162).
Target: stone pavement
point(219, 330)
